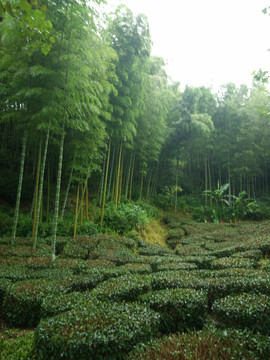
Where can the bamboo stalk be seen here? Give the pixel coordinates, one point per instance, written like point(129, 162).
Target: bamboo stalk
point(67, 191)
point(105, 186)
point(36, 193)
point(131, 178)
point(48, 195)
point(76, 210)
point(118, 177)
point(86, 202)
point(19, 190)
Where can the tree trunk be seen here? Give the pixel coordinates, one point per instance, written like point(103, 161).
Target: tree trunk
point(102, 181)
point(111, 174)
point(76, 210)
point(41, 182)
point(176, 187)
point(58, 188)
point(86, 202)
point(128, 175)
point(131, 178)
point(210, 183)
point(19, 190)
point(82, 205)
point(121, 179)
point(61, 150)
point(105, 187)
point(118, 177)
point(205, 180)
point(67, 191)
point(36, 194)
point(149, 186)
point(48, 194)
point(141, 187)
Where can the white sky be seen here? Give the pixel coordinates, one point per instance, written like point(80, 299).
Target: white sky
point(207, 42)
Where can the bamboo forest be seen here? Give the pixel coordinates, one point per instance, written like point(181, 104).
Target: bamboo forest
point(134, 211)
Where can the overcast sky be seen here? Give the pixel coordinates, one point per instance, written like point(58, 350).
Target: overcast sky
point(207, 42)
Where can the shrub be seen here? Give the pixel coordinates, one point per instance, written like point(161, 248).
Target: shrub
point(22, 301)
point(175, 233)
point(221, 287)
point(266, 265)
point(250, 254)
point(126, 217)
point(174, 279)
point(233, 262)
point(191, 250)
point(88, 228)
point(74, 250)
point(207, 344)
point(60, 243)
point(99, 263)
point(180, 309)
point(151, 211)
point(176, 266)
point(245, 310)
point(80, 247)
point(96, 331)
point(86, 281)
point(123, 288)
point(116, 249)
point(17, 345)
point(137, 268)
point(4, 283)
point(37, 263)
point(53, 305)
point(24, 251)
point(154, 250)
point(202, 262)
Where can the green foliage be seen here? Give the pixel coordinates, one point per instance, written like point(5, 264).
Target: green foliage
point(245, 311)
point(153, 250)
point(210, 343)
point(22, 302)
point(180, 309)
point(236, 262)
point(95, 331)
point(176, 266)
point(17, 345)
point(56, 304)
point(138, 268)
point(228, 207)
point(126, 217)
point(123, 288)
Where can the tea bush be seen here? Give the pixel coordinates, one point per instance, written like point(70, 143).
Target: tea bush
point(56, 304)
point(22, 300)
point(176, 266)
point(96, 331)
point(86, 281)
point(17, 345)
point(136, 268)
point(233, 262)
point(209, 343)
point(250, 254)
point(154, 250)
point(202, 262)
point(180, 309)
point(123, 288)
point(245, 310)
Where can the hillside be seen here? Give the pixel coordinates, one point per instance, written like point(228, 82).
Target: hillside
point(205, 296)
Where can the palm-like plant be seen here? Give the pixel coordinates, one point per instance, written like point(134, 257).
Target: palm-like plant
point(219, 196)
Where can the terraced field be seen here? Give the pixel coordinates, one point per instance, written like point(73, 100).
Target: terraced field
point(205, 296)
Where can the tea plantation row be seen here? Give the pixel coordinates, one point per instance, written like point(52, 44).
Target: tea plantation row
point(116, 298)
